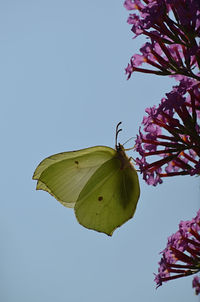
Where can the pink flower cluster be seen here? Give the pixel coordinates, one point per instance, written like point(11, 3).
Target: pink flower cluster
point(173, 28)
point(168, 142)
point(181, 257)
point(171, 132)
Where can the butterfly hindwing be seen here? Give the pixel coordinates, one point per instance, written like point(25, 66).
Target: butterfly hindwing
point(109, 198)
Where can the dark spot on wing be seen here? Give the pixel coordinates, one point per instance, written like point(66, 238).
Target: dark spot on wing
point(100, 198)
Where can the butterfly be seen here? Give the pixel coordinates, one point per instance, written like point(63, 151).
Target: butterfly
point(100, 183)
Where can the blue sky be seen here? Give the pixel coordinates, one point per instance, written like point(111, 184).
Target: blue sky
point(63, 88)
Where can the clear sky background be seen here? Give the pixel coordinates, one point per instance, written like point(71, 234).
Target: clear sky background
point(63, 88)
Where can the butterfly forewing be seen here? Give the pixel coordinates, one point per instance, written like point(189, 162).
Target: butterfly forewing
point(64, 175)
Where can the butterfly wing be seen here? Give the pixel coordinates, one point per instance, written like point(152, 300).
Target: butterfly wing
point(65, 174)
point(109, 198)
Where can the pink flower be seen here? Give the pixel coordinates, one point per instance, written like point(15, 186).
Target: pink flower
point(196, 285)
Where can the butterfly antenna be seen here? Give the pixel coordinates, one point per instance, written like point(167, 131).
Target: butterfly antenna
point(117, 132)
point(128, 140)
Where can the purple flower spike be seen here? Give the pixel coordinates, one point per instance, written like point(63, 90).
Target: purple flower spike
point(181, 257)
point(173, 30)
point(171, 135)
